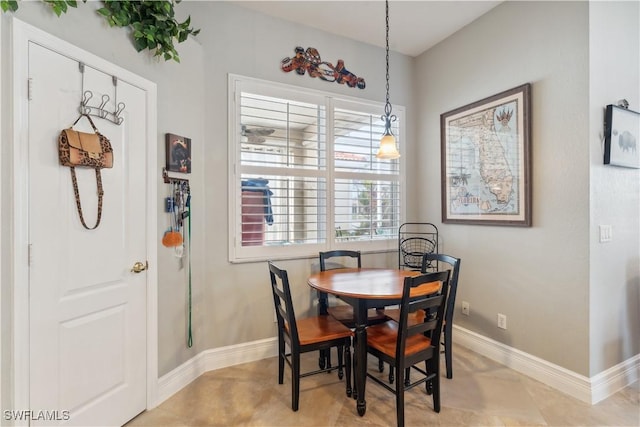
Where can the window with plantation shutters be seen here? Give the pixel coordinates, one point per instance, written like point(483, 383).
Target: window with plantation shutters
point(304, 176)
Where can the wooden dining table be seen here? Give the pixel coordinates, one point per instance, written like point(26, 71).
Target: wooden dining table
point(362, 288)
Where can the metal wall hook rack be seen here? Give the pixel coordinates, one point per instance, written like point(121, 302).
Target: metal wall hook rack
point(170, 179)
point(100, 111)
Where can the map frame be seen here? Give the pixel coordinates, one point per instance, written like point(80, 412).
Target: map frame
point(486, 160)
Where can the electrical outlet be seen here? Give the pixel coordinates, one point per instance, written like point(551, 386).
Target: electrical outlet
point(465, 308)
point(502, 321)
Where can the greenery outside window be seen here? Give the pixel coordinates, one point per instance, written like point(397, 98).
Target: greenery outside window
point(303, 173)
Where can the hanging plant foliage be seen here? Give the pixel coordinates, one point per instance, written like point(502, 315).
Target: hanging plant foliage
point(58, 6)
point(152, 22)
point(8, 5)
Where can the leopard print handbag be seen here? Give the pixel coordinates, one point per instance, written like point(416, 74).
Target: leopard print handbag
point(90, 150)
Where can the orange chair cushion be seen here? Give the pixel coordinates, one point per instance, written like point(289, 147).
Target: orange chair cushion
point(316, 329)
point(384, 336)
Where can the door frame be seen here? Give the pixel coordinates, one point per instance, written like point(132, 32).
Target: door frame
point(22, 35)
point(2, 335)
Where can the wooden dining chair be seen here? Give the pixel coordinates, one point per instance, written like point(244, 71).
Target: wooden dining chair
point(303, 335)
point(404, 344)
point(431, 263)
point(344, 312)
point(434, 262)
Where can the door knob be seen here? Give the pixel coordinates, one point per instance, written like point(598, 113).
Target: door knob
point(139, 267)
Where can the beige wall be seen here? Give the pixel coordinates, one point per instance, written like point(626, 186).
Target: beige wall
point(180, 101)
point(192, 101)
point(614, 295)
point(243, 42)
point(539, 276)
point(569, 299)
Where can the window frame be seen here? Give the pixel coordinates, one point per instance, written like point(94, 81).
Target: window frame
point(240, 254)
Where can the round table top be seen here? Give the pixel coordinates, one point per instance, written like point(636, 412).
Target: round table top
point(369, 283)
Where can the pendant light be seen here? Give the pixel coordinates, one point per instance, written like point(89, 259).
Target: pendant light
point(388, 149)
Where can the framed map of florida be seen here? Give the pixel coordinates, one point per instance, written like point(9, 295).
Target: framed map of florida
point(485, 156)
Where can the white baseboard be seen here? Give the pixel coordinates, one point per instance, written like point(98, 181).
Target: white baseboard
point(210, 360)
point(615, 378)
point(589, 390)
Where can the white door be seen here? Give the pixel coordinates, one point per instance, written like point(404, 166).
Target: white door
point(87, 332)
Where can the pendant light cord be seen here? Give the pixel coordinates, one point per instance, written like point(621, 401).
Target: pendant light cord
point(388, 149)
point(387, 107)
point(387, 117)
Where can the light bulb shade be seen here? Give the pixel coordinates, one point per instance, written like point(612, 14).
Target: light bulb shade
point(388, 149)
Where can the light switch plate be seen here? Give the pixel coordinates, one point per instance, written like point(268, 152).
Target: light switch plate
point(606, 233)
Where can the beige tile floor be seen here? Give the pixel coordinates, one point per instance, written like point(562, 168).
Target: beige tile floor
point(481, 393)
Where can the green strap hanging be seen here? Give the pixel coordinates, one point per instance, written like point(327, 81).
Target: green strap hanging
point(190, 338)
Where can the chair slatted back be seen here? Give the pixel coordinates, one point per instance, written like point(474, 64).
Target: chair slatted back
point(431, 262)
point(414, 299)
point(324, 256)
point(283, 304)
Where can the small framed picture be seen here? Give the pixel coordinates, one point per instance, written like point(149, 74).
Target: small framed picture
point(178, 153)
point(621, 137)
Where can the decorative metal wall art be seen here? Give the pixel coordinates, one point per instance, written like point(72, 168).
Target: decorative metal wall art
point(309, 61)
